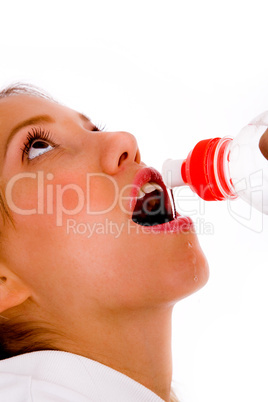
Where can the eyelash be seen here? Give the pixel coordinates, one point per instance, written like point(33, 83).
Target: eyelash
point(33, 135)
point(44, 135)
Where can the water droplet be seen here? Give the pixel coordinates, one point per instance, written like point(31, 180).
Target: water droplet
point(196, 278)
point(190, 244)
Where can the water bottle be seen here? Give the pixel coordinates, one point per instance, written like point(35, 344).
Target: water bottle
point(225, 168)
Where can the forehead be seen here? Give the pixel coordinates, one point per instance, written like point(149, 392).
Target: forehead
point(16, 108)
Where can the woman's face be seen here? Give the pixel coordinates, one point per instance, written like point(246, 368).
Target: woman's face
point(71, 190)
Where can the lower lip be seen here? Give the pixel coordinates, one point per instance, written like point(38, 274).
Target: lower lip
point(180, 224)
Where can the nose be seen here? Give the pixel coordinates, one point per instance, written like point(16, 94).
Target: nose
point(117, 150)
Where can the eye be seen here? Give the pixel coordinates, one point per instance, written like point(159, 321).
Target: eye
point(38, 142)
point(98, 127)
point(38, 148)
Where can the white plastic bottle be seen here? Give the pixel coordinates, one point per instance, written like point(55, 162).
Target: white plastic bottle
point(222, 168)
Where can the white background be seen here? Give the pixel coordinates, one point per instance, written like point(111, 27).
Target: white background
point(172, 73)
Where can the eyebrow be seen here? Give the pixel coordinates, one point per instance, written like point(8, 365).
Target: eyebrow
point(29, 122)
point(84, 117)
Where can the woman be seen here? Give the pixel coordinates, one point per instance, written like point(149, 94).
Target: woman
point(92, 260)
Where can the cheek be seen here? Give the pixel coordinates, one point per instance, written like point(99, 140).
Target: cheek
point(22, 193)
point(40, 206)
point(69, 194)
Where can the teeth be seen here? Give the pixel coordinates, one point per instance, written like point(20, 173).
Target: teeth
point(157, 187)
point(149, 187)
point(141, 194)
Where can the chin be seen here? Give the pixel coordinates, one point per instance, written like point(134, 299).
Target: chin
point(189, 270)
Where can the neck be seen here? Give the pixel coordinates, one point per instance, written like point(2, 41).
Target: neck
point(135, 344)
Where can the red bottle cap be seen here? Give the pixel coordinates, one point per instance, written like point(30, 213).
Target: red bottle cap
point(202, 175)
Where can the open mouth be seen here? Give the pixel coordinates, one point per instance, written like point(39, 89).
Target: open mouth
point(153, 205)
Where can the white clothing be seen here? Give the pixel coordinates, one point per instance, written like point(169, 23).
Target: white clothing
point(54, 376)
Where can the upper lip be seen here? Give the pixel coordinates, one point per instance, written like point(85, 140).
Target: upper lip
point(145, 175)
